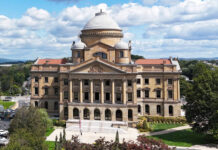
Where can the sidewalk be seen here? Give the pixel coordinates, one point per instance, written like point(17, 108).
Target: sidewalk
point(167, 131)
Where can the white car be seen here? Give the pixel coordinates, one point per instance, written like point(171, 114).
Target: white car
point(3, 132)
point(3, 141)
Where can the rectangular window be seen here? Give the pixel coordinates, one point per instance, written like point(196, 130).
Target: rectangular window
point(129, 97)
point(118, 97)
point(76, 82)
point(139, 93)
point(56, 79)
point(46, 79)
point(46, 91)
point(170, 81)
point(78, 54)
point(36, 90)
point(107, 82)
point(146, 93)
point(65, 81)
point(56, 91)
point(86, 97)
point(129, 82)
point(170, 94)
point(138, 81)
point(86, 82)
point(107, 96)
point(158, 81)
point(158, 93)
point(97, 96)
point(121, 54)
point(36, 79)
point(76, 96)
point(65, 94)
point(146, 81)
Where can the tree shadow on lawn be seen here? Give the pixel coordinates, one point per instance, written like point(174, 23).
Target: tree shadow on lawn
point(185, 138)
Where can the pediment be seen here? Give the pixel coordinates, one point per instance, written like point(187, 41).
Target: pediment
point(97, 66)
point(100, 44)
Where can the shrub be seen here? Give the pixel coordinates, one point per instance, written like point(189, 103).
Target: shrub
point(160, 119)
point(61, 123)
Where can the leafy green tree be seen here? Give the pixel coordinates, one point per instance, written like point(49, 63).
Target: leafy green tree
point(202, 100)
point(45, 118)
point(135, 57)
point(31, 119)
point(184, 86)
point(22, 139)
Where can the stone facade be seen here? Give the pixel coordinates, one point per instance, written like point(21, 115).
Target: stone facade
point(102, 83)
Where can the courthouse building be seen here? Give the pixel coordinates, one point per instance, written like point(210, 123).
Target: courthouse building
point(101, 82)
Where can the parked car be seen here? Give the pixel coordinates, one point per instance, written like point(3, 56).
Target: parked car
point(8, 98)
point(3, 141)
point(4, 132)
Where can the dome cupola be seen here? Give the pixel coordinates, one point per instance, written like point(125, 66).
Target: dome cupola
point(101, 21)
point(78, 46)
point(121, 45)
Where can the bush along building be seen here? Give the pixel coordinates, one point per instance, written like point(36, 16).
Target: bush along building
point(101, 82)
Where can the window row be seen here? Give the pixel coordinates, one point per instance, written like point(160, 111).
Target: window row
point(158, 109)
point(46, 79)
point(46, 105)
point(158, 94)
point(157, 81)
point(46, 91)
point(97, 114)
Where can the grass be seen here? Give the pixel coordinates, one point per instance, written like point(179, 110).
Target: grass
point(6, 104)
point(163, 126)
point(49, 131)
point(185, 138)
point(50, 144)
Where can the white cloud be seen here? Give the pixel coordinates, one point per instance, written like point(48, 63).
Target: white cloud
point(177, 29)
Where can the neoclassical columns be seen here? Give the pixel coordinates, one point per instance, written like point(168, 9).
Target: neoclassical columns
point(134, 91)
point(81, 90)
point(113, 92)
point(91, 91)
point(61, 91)
point(124, 91)
point(102, 91)
point(71, 91)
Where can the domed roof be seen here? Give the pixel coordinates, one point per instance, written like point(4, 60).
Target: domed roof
point(78, 45)
point(121, 45)
point(101, 21)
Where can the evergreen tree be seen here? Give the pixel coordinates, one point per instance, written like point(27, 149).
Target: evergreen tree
point(117, 137)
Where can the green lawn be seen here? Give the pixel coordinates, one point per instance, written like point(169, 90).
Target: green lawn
point(49, 131)
point(184, 138)
point(50, 144)
point(6, 104)
point(162, 126)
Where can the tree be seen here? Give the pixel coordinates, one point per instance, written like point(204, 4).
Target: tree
point(117, 137)
point(202, 100)
point(135, 57)
point(27, 129)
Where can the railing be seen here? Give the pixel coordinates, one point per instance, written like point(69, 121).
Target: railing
point(96, 101)
point(87, 101)
point(108, 102)
point(118, 102)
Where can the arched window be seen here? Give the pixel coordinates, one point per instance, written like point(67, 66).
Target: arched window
point(107, 114)
point(36, 104)
point(171, 110)
point(75, 113)
point(56, 106)
point(158, 109)
point(97, 114)
point(100, 54)
point(139, 108)
point(119, 115)
point(86, 114)
point(130, 118)
point(147, 109)
point(46, 105)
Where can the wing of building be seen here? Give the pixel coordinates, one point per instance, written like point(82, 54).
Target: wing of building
point(100, 81)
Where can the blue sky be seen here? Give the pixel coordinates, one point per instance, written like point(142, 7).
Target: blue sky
point(157, 28)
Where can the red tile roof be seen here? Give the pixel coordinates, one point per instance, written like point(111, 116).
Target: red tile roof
point(51, 61)
point(152, 61)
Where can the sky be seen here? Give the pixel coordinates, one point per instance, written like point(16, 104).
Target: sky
point(157, 28)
